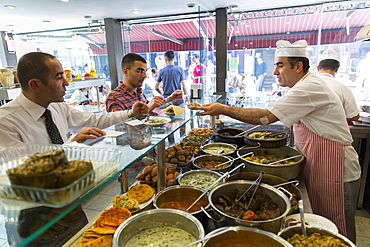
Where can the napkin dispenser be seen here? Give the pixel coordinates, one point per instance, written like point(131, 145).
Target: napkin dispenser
point(196, 91)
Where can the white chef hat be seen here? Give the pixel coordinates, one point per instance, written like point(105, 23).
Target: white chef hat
point(330, 54)
point(286, 49)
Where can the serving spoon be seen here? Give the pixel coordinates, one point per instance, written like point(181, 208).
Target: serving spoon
point(214, 234)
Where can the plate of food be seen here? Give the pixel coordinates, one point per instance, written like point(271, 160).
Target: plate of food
point(157, 121)
point(137, 198)
point(173, 110)
point(193, 106)
point(311, 220)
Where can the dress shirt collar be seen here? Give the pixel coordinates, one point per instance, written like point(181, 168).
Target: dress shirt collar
point(33, 109)
point(326, 74)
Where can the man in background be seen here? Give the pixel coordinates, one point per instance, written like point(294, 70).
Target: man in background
point(260, 71)
point(328, 68)
point(171, 76)
point(123, 97)
point(199, 71)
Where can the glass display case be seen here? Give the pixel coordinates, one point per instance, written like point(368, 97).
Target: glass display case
point(34, 224)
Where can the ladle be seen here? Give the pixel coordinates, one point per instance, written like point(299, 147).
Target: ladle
point(219, 179)
point(217, 166)
point(303, 222)
point(289, 158)
point(217, 232)
point(242, 133)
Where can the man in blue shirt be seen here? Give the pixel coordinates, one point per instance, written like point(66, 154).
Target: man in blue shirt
point(171, 76)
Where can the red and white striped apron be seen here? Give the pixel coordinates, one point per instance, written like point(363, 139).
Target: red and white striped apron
point(323, 174)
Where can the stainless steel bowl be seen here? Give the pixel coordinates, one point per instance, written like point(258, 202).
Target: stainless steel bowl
point(223, 149)
point(199, 178)
point(271, 180)
point(290, 231)
point(209, 157)
point(228, 189)
point(287, 171)
point(244, 235)
point(154, 218)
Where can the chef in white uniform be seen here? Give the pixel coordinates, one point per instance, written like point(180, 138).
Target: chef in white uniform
point(331, 170)
point(328, 67)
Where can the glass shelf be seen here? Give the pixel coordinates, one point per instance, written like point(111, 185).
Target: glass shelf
point(21, 218)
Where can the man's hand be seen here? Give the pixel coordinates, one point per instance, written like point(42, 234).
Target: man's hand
point(87, 133)
point(139, 108)
point(175, 95)
point(156, 102)
point(212, 109)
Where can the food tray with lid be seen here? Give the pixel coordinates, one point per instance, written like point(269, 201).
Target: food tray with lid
point(105, 162)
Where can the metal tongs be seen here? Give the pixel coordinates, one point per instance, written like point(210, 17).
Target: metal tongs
point(242, 133)
point(289, 158)
point(215, 233)
point(250, 153)
point(257, 183)
point(277, 133)
point(216, 182)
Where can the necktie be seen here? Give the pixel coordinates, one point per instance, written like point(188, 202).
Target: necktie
point(52, 128)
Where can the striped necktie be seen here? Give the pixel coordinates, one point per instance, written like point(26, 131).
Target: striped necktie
point(52, 128)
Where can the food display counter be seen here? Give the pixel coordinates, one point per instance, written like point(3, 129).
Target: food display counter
point(134, 145)
point(14, 211)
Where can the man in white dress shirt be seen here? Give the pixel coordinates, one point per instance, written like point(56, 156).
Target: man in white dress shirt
point(43, 85)
point(328, 67)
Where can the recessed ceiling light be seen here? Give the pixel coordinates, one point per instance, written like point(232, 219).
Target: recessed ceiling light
point(87, 16)
point(64, 1)
point(135, 11)
point(47, 21)
point(9, 6)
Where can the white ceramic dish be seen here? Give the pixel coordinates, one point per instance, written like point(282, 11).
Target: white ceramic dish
point(158, 124)
point(192, 107)
point(315, 221)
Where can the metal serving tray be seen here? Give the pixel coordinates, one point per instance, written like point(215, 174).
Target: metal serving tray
point(105, 163)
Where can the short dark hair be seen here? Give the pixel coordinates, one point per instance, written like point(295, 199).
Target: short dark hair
point(294, 60)
point(330, 64)
point(170, 54)
point(129, 59)
point(195, 54)
point(33, 66)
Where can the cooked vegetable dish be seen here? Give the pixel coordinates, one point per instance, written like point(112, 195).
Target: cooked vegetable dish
point(261, 135)
point(264, 159)
point(199, 179)
point(212, 164)
point(161, 236)
point(315, 239)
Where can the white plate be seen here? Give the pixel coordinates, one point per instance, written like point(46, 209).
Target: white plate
point(193, 107)
point(143, 204)
point(169, 113)
point(166, 120)
point(316, 221)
